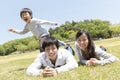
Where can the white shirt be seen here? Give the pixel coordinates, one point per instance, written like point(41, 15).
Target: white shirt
point(65, 61)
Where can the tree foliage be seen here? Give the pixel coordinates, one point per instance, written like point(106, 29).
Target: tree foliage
point(115, 30)
point(2, 50)
point(67, 31)
point(22, 45)
point(97, 28)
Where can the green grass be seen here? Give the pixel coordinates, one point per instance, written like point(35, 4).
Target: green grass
point(13, 67)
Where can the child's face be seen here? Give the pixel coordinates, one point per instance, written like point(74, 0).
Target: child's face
point(83, 42)
point(26, 17)
point(51, 52)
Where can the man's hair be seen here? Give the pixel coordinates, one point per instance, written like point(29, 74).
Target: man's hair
point(50, 41)
point(26, 10)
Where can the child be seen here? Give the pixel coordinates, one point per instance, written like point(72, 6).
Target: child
point(34, 25)
point(52, 61)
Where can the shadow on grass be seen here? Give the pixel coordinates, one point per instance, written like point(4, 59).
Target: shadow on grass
point(79, 63)
point(20, 69)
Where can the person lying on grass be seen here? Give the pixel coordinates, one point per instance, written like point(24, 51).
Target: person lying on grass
point(88, 53)
point(52, 61)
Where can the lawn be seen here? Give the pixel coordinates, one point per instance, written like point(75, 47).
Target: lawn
point(13, 67)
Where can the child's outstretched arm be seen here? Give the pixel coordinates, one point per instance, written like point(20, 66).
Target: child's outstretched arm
point(12, 30)
point(18, 32)
point(42, 22)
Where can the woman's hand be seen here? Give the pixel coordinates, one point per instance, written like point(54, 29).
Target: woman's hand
point(89, 63)
point(92, 62)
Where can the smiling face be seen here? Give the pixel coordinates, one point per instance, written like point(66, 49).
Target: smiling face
point(51, 52)
point(83, 41)
point(26, 17)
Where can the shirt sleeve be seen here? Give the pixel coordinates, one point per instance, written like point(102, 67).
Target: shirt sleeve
point(35, 68)
point(79, 54)
point(70, 62)
point(45, 22)
point(105, 57)
point(25, 30)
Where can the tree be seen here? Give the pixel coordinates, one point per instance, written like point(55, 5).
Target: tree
point(33, 45)
point(115, 29)
point(2, 50)
point(9, 47)
point(22, 48)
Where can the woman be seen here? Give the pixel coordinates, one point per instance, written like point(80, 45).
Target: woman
point(88, 53)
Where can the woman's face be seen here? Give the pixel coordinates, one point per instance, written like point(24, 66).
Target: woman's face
point(51, 52)
point(83, 42)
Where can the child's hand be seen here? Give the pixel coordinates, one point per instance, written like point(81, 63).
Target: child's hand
point(11, 30)
point(56, 24)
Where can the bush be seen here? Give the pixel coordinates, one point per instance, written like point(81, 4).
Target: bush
point(2, 50)
point(33, 45)
point(21, 48)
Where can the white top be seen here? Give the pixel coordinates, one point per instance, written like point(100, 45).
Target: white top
point(65, 61)
point(35, 27)
point(101, 55)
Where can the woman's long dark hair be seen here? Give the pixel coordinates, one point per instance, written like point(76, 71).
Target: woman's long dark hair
point(90, 48)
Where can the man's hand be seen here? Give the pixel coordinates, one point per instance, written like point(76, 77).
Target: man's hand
point(48, 71)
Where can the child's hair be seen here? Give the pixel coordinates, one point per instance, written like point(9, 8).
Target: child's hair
point(49, 40)
point(26, 10)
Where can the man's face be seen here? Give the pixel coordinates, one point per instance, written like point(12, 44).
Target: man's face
point(51, 52)
point(26, 17)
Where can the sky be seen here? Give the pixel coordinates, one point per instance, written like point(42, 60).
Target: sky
point(54, 10)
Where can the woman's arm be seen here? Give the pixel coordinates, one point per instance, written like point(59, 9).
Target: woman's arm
point(105, 57)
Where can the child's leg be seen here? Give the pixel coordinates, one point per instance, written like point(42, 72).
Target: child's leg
point(67, 47)
point(40, 47)
point(70, 49)
point(41, 42)
point(61, 43)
